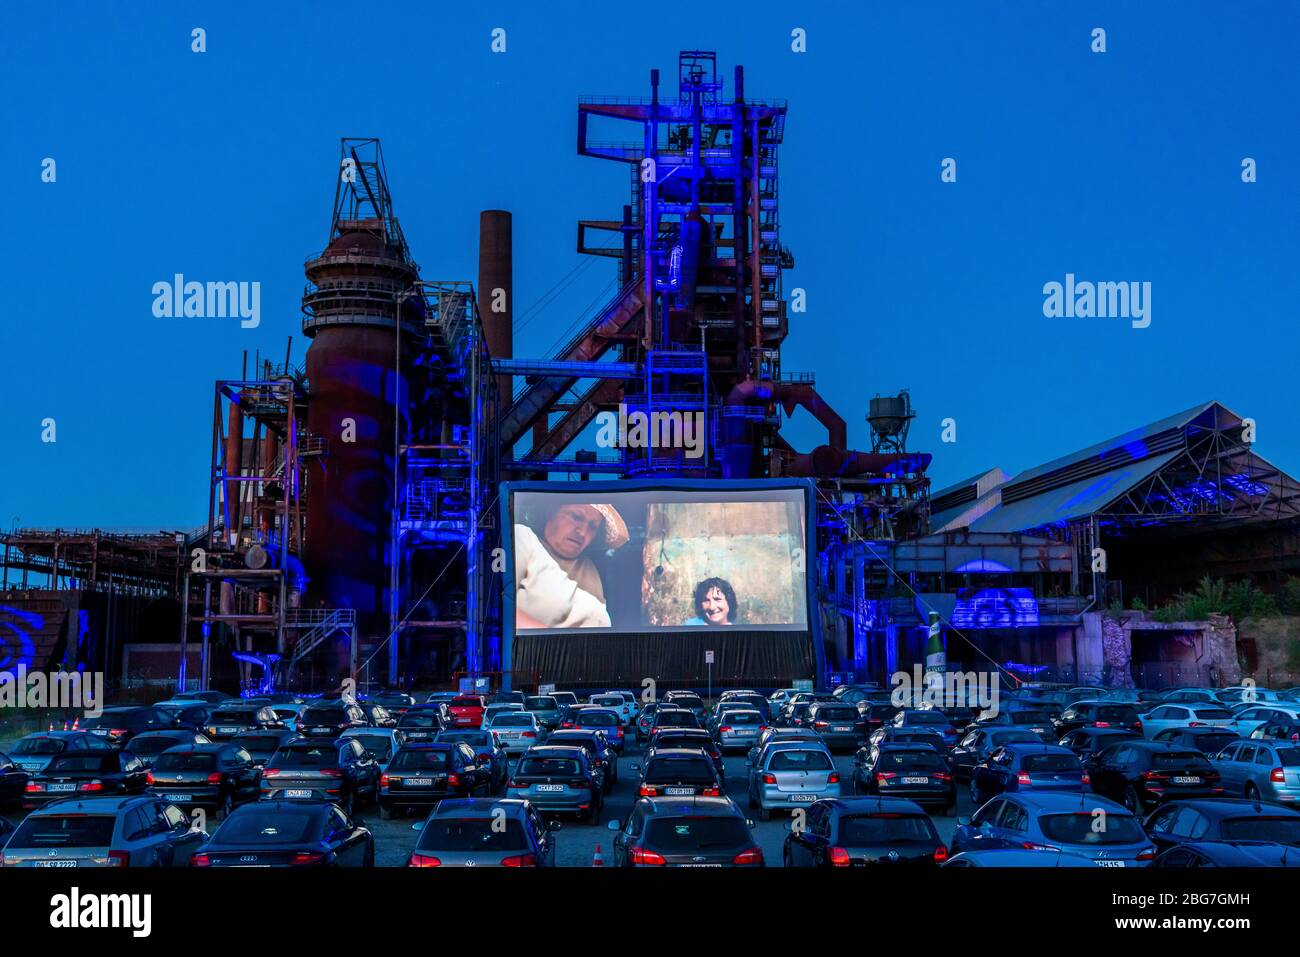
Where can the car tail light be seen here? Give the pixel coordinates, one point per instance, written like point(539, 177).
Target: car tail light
point(725, 729)
point(453, 780)
point(119, 858)
point(200, 860)
point(943, 775)
point(762, 728)
point(1197, 724)
point(1277, 775)
point(383, 780)
point(1084, 779)
point(646, 791)
point(839, 857)
point(639, 855)
point(769, 778)
point(529, 734)
point(1137, 725)
point(941, 853)
point(1147, 855)
point(270, 772)
point(1024, 778)
point(753, 855)
point(949, 730)
point(484, 757)
point(35, 788)
point(1031, 846)
point(1210, 775)
point(92, 786)
point(820, 724)
point(834, 778)
point(882, 776)
point(307, 857)
point(516, 784)
point(214, 777)
point(332, 772)
point(1154, 776)
point(1101, 724)
point(521, 860)
point(118, 732)
point(710, 792)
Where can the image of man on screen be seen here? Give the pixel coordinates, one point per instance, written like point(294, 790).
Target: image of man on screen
point(557, 584)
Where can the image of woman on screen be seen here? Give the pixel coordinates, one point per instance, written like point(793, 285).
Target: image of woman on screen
point(715, 603)
point(557, 585)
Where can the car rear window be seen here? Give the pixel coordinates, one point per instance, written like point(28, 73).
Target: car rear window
point(687, 701)
point(254, 826)
point(418, 719)
point(1030, 717)
point(1080, 828)
point(1049, 762)
point(913, 759)
point(325, 716)
point(71, 830)
point(420, 759)
point(471, 834)
point(541, 704)
point(38, 746)
point(596, 719)
point(1213, 743)
point(838, 714)
point(147, 745)
point(1212, 714)
point(1289, 757)
point(234, 715)
point(742, 717)
point(1179, 759)
point(858, 830)
point(683, 770)
point(678, 834)
point(321, 756)
point(1114, 713)
point(1013, 737)
point(549, 767)
point(83, 762)
point(800, 761)
point(675, 719)
point(378, 745)
point(185, 762)
point(512, 719)
point(475, 739)
point(609, 701)
point(466, 703)
point(1283, 830)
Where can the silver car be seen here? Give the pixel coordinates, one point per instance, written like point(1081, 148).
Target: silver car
point(739, 729)
point(141, 831)
point(1263, 770)
point(515, 731)
point(791, 774)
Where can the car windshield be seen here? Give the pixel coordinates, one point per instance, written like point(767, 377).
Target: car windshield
point(321, 756)
point(1049, 762)
point(471, 834)
point(540, 704)
point(680, 834)
point(800, 761)
point(38, 746)
point(420, 759)
point(597, 719)
point(513, 720)
point(913, 759)
point(185, 761)
point(253, 825)
point(83, 762)
point(859, 830)
point(1283, 830)
point(679, 770)
point(1080, 827)
point(549, 767)
point(63, 830)
point(1179, 759)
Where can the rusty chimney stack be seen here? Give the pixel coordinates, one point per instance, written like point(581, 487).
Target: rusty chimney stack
point(496, 289)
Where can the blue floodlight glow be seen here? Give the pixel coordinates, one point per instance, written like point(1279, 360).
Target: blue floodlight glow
point(1245, 484)
point(982, 565)
point(17, 648)
point(995, 608)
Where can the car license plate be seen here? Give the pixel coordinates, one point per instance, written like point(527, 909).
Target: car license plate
point(803, 797)
point(841, 729)
point(464, 720)
point(321, 730)
point(679, 791)
point(1109, 863)
point(420, 782)
point(916, 780)
point(550, 787)
point(298, 793)
point(1186, 779)
point(699, 865)
point(55, 863)
point(61, 787)
point(231, 730)
point(99, 731)
point(178, 797)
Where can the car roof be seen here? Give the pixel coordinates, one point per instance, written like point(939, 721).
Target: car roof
point(702, 806)
point(677, 754)
point(1030, 747)
point(555, 751)
point(94, 805)
point(866, 804)
point(1248, 853)
point(209, 748)
point(1066, 801)
point(479, 807)
point(1228, 807)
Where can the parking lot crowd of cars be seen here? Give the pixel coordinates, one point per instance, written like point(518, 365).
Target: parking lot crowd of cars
point(1053, 777)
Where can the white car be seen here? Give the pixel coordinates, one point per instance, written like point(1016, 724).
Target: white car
point(614, 701)
point(1251, 695)
point(1257, 715)
point(1185, 716)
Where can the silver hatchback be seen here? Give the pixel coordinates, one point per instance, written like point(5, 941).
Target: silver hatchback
point(1263, 770)
point(739, 729)
point(791, 774)
point(104, 832)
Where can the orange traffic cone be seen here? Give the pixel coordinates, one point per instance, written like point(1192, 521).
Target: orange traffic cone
point(599, 859)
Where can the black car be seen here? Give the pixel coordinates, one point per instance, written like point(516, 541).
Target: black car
point(1039, 722)
point(875, 714)
point(13, 782)
point(1220, 854)
point(838, 725)
point(149, 745)
point(263, 744)
point(487, 749)
point(228, 720)
point(377, 715)
point(674, 717)
point(685, 832)
point(288, 834)
point(321, 770)
point(905, 771)
point(330, 719)
point(1222, 819)
point(1141, 773)
point(188, 716)
point(423, 722)
point(118, 726)
point(603, 758)
point(480, 832)
point(210, 776)
point(977, 744)
point(859, 831)
point(692, 738)
point(688, 700)
point(86, 774)
point(1206, 740)
point(1085, 742)
point(423, 774)
point(678, 772)
point(396, 703)
point(1097, 714)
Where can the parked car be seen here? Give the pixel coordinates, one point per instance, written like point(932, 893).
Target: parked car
point(1277, 731)
point(33, 752)
point(118, 831)
point(516, 730)
point(483, 832)
point(927, 719)
point(207, 696)
point(1185, 716)
point(678, 772)
point(281, 833)
point(1038, 722)
point(546, 708)
point(688, 700)
point(85, 773)
point(211, 776)
point(187, 715)
point(1253, 716)
point(377, 716)
point(1089, 825)
point(685, 832)
point(614, 702)
point(919, 774)
point(1260, 770)
point(913, 735)
point(1097, 714)
point(1221, 819)
point(754, 700)
point(380, 743)
point(423, 774)
point(1141, 773)
point(261, 745)
point(487, 750)
point(230, 719)
point(976, 745)
point(118, 726)
point(738, 730)
point(330, 719)
point(13, 782)
point(859, 831)
point(693, 738)
point(500, 707)
point(1027, 767)
point(1219, 854)
point(149, 745)
point(1014, 858)
point(1206, 740)
point(467, 711)
point(1085, 742)
point(780, 734)
point(422, 723)
point(789, 775)
point(603, 720)
point(838, 725)
point(603, 758)
point(558, 780)
point(314, 769)
point(1250, 694)
point(396, 703)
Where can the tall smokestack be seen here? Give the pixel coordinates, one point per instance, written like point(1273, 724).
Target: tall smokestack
point(496, 289)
